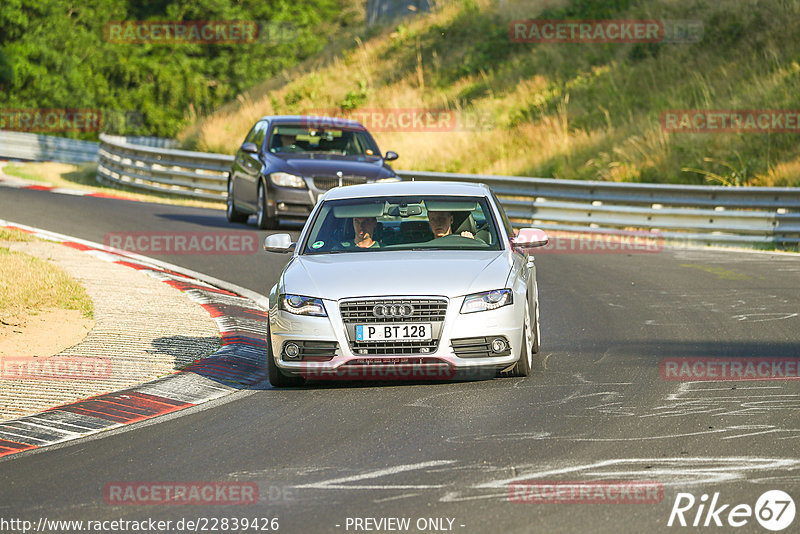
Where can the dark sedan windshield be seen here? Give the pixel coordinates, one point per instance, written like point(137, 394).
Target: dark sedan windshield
point(403, 223)
point(299, 138)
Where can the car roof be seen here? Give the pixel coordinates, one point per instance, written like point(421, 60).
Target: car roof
point(322, 120)
point(407, 188)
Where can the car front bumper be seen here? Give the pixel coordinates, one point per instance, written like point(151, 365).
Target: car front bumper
point(332, 356)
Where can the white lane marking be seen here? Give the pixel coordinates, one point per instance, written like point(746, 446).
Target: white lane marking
point(340, 483)
point(395, 498)
point(763, 317)
point(670, 471)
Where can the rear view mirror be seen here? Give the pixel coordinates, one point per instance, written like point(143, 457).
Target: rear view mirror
point(250, 148)
point(280, 243)
point(529, 238)
point(390, 155)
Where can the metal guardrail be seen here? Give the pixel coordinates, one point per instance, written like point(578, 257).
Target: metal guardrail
point(36, 147)
point(704, 214)
point(696, 214)
point(27, 146)
point(167, 170)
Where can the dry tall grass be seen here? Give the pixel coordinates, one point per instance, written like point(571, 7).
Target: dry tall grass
point(563, 110)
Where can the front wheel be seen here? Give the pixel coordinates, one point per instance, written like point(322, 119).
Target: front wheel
point(527, 349)
point(263, 220)
point(234, 215)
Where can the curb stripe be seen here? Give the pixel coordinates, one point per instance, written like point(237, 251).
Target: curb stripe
point(11, 447)
point(240, 362)
point(65, 191)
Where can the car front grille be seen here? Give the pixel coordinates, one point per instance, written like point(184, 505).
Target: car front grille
point(426, 310)
point(323, 183)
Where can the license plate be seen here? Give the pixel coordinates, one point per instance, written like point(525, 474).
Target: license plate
point(394, 332)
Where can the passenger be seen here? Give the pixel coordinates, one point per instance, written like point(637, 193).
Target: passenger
point(288, 143)
point(442, 224)
point(364, 228)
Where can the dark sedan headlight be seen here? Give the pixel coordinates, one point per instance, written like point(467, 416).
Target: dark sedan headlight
point(487, 300)
point(300, 305)
point(284, 179)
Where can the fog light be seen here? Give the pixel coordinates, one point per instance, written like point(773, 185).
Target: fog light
point(291, 350)
point(282, 206)
point(499, 345)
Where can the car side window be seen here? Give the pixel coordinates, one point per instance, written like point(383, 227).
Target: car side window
point(506, 223)
point(260, 132)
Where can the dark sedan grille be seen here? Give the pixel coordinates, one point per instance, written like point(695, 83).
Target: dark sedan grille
point(323, 183)
point(425, 310)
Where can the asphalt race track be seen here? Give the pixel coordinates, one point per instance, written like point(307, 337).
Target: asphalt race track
point(596, 409)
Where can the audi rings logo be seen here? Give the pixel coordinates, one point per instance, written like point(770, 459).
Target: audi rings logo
point(393, 310)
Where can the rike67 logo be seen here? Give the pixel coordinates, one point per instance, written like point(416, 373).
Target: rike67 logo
point(774, 510)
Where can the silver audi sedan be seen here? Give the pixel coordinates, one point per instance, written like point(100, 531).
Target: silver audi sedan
point(404, 281)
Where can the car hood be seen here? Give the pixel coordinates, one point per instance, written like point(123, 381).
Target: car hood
point(304, 166)
point(448, 273)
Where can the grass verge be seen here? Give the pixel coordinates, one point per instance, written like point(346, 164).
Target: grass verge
point(29, 285)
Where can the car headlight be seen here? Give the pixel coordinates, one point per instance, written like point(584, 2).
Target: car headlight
point(284, 179)
point(300, 305)
point(488, 300)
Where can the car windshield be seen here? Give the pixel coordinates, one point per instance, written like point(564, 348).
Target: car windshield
point(403, 223)
point(294, 139)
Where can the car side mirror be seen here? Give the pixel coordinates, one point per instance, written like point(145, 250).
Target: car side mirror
point(529, 238)
point(391, 156)
point(280, 243)
point(250, 148)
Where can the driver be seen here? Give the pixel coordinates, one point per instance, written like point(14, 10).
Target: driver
point(288, 143)
point(441, 224)
point(364, 228)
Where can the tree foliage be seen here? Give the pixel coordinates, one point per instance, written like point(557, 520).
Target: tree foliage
point(53, 54)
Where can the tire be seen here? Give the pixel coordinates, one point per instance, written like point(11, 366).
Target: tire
point(525, 362)
point(537, 331)
point(234, 215)
point(263, 221)
point(276, 377)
